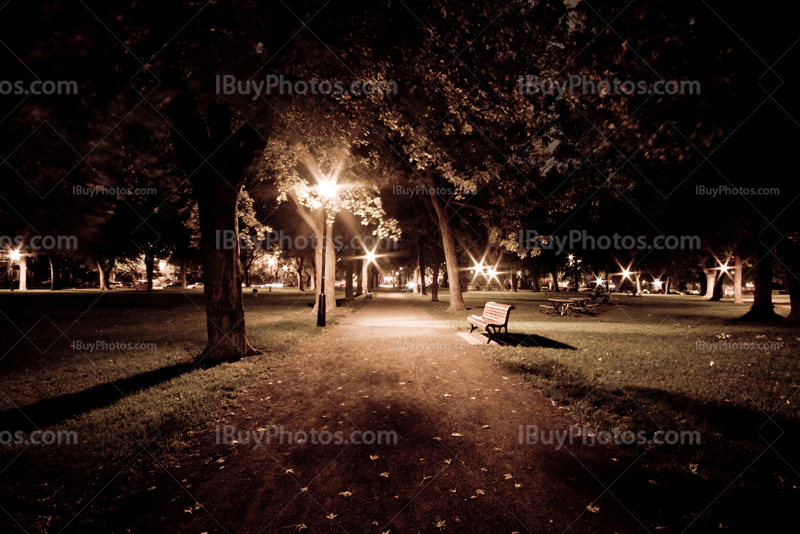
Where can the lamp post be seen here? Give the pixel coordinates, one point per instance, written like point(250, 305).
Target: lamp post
point(327, 189)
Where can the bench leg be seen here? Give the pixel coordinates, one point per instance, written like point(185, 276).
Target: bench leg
point(471, 329)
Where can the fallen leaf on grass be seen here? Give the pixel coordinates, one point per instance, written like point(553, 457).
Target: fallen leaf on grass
point(426, 477)
point(498, 449)
point(441, 524)
point(331, 516)
point(653, 482)
point(693, 468)
point(345, 493)
point(304, 489)
point(517, 486)
point(457, 434)
point(437, 438)
point(480, 492)
point(290, 471)
point(385, 474)
point(593, 509)
point(452, 491)
point(508, 476)
point(484, 427)
point(220, 460)
point(373, 458)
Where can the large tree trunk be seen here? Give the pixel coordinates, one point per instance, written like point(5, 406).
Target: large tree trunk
point(790, 258)
point(535, 284)
point(365, 275)
point(554, 274)
point(348, 279)
point(737, 279)
point(762, 308)
point(416, 280)
point(711, 276)
point(55, 272)
point(23, 273)
point(183, 274)
point(217, 163)
point(330, 271)
point(101, 274)
point(667, 285)
point(435, 281)
point(449, 246)
point(421, 262)
point(149, 264)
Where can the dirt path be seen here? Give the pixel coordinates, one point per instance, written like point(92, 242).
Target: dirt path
point(458, 464)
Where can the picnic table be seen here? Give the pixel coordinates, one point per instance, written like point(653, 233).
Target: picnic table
point(560, 306)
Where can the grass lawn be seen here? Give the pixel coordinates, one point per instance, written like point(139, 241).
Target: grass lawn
point(118, 401)
point(643, 366)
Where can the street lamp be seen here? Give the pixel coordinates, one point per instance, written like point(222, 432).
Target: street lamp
point(327, 189)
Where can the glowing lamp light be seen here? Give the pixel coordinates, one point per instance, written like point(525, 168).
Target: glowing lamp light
point(370, 256)
point(327, 189)
point(626, 273)
point(598, 281)
point(724, 268)
point(15, 255)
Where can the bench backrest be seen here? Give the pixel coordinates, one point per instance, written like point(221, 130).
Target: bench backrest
point(495, 313)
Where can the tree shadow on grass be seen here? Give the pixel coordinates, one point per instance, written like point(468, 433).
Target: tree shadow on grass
point(49, 412)
point(529, 340)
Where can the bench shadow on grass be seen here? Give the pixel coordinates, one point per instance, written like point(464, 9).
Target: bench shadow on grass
point(51, 411)
point(529, 340)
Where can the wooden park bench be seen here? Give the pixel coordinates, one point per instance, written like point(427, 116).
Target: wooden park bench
point(495, 317)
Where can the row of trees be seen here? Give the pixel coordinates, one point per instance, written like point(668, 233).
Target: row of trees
point(489, 160)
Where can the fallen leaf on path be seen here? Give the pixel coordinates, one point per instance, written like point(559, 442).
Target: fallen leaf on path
point(593, 509)
point(517, 486)
point(693, 468)
point(498, 449)
point(345, 493)
point(484, 427)
point(446, 394)
point(220, 460)
point(437, 438)
point(290, 471)
point(373, 458)
point(426, 477)
point(448, 461)
point(452, 491)
point(653, 482)
point(441, 524)
point(457, 434)
point(331, 516)
point(304, 489)
point(508, 476)
point(385, 474)
point(480, 492)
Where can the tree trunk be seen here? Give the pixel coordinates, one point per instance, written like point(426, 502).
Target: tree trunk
point(23, 273)
point(330, 271)
point(790, 258)
point(737, 279)
point(246, 271)
point(360, 281)
point(421, 262)
point(449, 246)
point(183, 274)
point(55, 272)
point(554, 274)
point(348, 279)
point(667, 285)
point(416, 280)
point(638, 283)
point(711, 277)
point(535, 284)
point(217, 163)
point(435, 281)
point(149, 264)
point(101, 274)
point(762, 308)
point(300, 273)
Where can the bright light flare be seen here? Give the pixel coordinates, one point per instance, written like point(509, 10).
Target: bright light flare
point(327, 188)
point(626, 273)
point(15, 255)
